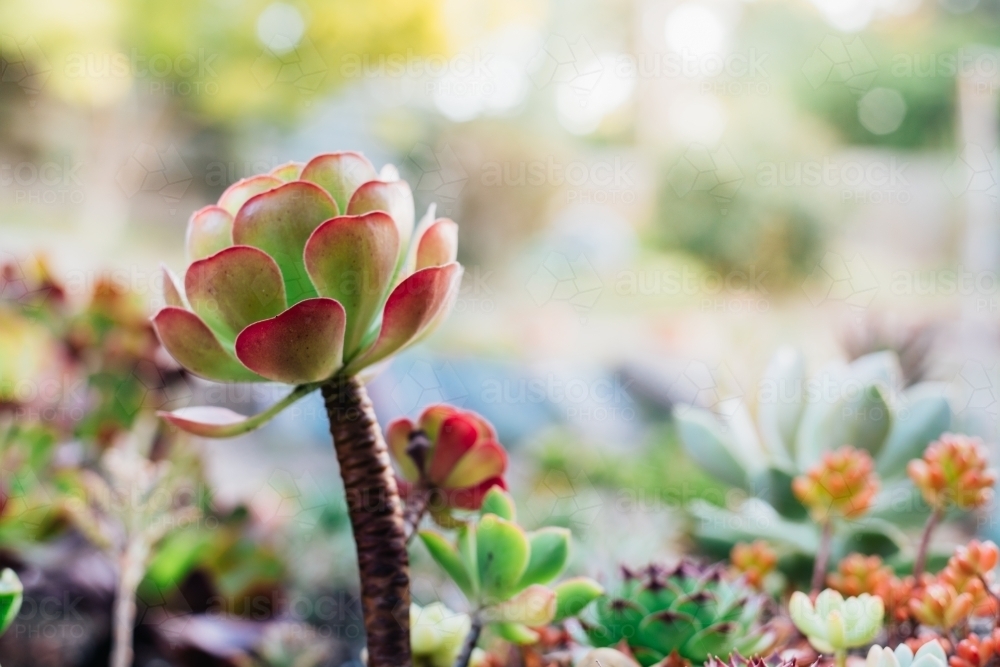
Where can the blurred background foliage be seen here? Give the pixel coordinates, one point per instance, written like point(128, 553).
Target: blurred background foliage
point(654, 195)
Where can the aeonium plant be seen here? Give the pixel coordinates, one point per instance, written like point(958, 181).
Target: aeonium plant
point(448, 460)
point(311, 275)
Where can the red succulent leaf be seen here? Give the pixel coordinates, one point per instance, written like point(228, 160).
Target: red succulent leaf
point(438, 245)
point(397, 437)
point(352, 259)
point(241, 191)
point(195, 347)
point(411, 310)
point(340, 174)
point(209, 230)
point(234, 288)
point(392, 197)
point(301, 345)
point(279, 222)
point(457, 436)
point(471, 498)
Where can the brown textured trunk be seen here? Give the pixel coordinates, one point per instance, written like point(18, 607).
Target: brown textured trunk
point(377, 519)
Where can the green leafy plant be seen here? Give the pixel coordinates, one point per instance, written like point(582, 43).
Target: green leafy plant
point(798, 421)
point(311, 275)
point(505, 571)
point(126, 511)
point(688, 610)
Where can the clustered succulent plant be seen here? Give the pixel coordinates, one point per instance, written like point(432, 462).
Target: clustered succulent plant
point(689, 610)
point(505, 571)
point(315, 274)
point(800, 420)
point(929, 655)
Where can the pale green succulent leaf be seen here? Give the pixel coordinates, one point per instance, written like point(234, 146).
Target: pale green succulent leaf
point(923, 416)
point(707, 442)
point(781, 402)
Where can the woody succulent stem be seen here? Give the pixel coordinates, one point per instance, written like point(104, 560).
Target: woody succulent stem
point(471, 639)
point(377, 520)
point(822, 557)
point(925, 541)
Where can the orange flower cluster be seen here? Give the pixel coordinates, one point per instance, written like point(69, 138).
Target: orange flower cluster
point(753, 561)
point(939, 605)
point(970, 570)
point(842, 485)
point(954, 471)
point(961, 589)
point(975, 651)
point(859, 574)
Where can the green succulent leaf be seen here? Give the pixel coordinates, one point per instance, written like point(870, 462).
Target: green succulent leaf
point(11, 596)
point(497, 501)
point(573, 595)
point(775, 487)
point(447, 556)
point(549, 553)
point(865, 421)
point(706, 442)
point(926, 414)
point(502, 553)
point(781, 402)
point(516, 633)
point(466, 539)
point(665, 631)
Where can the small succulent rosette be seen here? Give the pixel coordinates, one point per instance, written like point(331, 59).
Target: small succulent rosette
point(834, 624)
point(302, 274)
point(929, 655)
point(449, 454)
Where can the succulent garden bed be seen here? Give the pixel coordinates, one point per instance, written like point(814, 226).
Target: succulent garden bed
point(313, 276)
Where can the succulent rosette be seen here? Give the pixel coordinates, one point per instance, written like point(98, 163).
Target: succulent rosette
point(302, 274)
point(452, 454)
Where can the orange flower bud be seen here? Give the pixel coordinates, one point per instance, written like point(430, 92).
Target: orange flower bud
point(753, 561)
point(843, 484)
point(954, 470)
point(970, 570)
point(941, 606)
point(859, 574)
point(975, 651)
